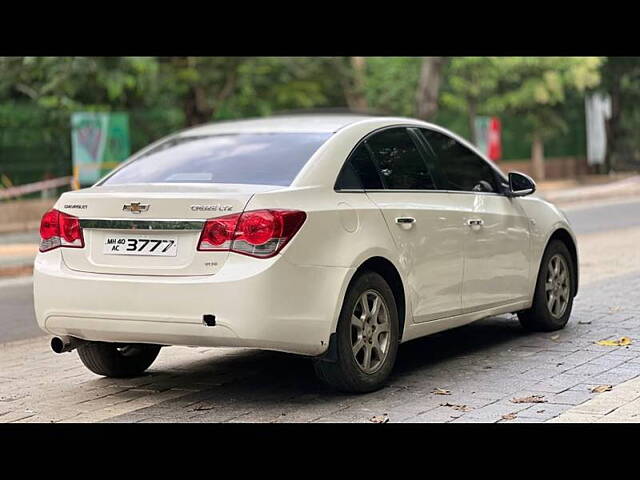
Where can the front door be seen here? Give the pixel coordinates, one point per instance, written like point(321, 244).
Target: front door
point(496, 249)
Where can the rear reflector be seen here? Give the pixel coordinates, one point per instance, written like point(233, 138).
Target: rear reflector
point(257, 233)
point(57, 229)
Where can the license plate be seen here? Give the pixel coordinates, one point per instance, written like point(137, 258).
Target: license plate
point(140, 245)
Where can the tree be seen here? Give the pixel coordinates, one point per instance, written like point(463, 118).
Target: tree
point(391, 84)
point(69, 83)
point(621, 79)
point(429, 87)
point(470, 84)
point(352, 75)
point(271, 84)
point(534, 87)
point(199, 84)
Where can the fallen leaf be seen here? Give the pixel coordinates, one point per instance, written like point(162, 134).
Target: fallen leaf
point(530, 399)
point(621, 342)
point(461, 408)
point(202, 409)
point(441, 391)
point(601, 388)
point(509, 416)
point(555, 337)
point(379, 419)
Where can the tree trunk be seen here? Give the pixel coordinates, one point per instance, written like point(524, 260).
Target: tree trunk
point(429, 87)
point(537, 157)
point(196, 110)
point(472, 111)
point(353, 84)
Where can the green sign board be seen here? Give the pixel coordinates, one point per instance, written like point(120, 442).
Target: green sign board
point(100, 141)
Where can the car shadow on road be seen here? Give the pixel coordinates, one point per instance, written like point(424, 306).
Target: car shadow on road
point(273, 383)
point(479, 340)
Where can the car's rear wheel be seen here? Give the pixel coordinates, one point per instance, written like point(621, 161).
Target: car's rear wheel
point(367, 337)
point(555, 289)
point(117, 360)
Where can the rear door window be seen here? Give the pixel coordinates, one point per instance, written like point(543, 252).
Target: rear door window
point(398, 160)
point(267, 159)
point(359, 172)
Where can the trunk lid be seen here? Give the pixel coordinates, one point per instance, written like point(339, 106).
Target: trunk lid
point(150, 229)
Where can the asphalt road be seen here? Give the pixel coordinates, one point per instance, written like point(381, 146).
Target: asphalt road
point(17, 319)
point(604, 217)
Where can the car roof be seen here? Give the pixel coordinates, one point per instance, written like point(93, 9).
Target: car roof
point(301, 123)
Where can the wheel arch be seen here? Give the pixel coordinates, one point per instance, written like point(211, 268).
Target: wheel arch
point(387, 270)
point(563, 235)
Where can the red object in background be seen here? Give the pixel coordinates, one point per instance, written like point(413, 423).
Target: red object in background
point(494, 144)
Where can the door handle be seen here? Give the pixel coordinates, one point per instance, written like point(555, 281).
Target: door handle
point(405, 222)
point(474, 223)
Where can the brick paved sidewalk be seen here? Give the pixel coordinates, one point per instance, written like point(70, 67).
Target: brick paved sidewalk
point(620, 405)
point(484, 366)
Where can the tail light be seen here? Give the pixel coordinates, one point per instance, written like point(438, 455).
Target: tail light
point(257, 233)
point(57, 229)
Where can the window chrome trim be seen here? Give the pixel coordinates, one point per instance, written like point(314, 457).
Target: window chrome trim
point(384, 190)
point(126, 224)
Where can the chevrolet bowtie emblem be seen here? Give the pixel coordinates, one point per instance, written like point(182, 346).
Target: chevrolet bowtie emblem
point(135, 207)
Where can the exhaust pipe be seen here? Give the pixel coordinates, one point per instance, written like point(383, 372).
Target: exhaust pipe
point(65, 344)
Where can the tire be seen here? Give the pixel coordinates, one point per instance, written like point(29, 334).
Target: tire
point(117, 360)
point(540, 317)
point(379, 337)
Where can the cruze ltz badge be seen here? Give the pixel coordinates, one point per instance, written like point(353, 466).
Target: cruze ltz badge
point(135, 207)
point(211, 208)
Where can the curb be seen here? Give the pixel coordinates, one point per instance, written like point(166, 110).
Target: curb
point(621, 188)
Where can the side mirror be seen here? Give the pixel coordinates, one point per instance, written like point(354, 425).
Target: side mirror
point(520, 185)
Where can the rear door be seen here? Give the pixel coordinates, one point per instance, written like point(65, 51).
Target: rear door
point(419, 218)
point(496, 263)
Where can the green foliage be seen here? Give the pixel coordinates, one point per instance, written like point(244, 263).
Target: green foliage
point(391, 84)
point(621, 78)
point(470, 79)
point(69, 83)
point(164, 94)
point(267, 85)
point(534, 87)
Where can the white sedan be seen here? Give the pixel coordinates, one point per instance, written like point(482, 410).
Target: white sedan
point(337, 237)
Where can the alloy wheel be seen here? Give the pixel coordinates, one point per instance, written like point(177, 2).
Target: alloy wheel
point(557, 286)
point(370, 331)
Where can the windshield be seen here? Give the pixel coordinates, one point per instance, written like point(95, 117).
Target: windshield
point(266, 159)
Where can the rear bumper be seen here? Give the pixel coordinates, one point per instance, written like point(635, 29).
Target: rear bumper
point(269, 304)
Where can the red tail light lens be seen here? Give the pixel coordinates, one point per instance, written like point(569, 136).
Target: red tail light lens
point(257, 233)
point(217, 233)
point(49, 225)
point(57, 229)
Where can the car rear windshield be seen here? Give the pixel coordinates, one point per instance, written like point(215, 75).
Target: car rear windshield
point(266, 159)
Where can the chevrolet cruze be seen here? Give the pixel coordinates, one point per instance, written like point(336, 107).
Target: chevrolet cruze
point(337, 237)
